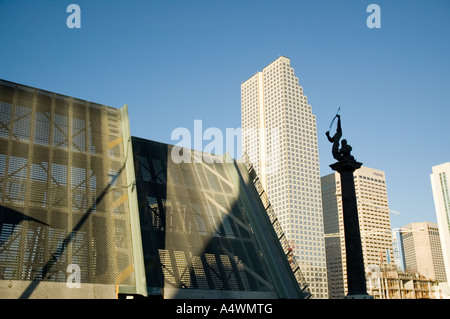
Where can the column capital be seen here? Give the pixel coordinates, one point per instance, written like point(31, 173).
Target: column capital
point(347, 165)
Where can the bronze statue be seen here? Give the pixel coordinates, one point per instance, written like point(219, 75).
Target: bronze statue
point(344, 152)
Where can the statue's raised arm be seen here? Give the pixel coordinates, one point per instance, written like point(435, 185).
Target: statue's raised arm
point(344, 152)
point(335, 139)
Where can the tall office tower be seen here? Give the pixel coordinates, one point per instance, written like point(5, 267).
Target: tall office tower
point(440, 183)
point(422, 249)
point(280, 137)
point(398, 251)
point(374, 223)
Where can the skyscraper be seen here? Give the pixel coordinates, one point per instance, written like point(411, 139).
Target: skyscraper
point(280, 137)
point(398, 251)
point(374, 223)
point(440, 184)
point(422, 249)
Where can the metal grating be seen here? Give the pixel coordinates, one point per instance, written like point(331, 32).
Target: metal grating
point(63, 192)
point(278, 230)
point(195, 231)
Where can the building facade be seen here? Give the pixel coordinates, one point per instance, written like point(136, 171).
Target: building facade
point(205, 230)
point(399, 253)
point(440, 184)
point(422, 250)
point(279, 134)
point(65, 217)
point(374, 223)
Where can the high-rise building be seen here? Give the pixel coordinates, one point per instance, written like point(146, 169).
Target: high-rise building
point(280, 138)
point(398, 251)
point(422, 250)
point(440, 183)
point(374, 223)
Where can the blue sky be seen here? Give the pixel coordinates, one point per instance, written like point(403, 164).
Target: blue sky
point(174, 62)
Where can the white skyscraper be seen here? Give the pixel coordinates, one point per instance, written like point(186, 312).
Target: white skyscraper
point(440, 184)
point(422, 250)
point(280, 138)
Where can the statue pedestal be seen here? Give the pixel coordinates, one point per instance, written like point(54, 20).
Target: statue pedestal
point(356, 277)
point(346, 165)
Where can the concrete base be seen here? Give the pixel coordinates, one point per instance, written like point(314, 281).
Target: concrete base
point(358, 297)
point(176, 293)
point(13, 289)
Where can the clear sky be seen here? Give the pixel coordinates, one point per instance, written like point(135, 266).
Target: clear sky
point(174, 62)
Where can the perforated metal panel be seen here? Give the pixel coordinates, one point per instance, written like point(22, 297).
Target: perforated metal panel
point(196, 232)
point(63, 192)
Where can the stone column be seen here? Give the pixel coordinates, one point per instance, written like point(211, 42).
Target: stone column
point(356, 277)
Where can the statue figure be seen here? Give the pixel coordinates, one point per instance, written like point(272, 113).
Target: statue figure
point(344, 152)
